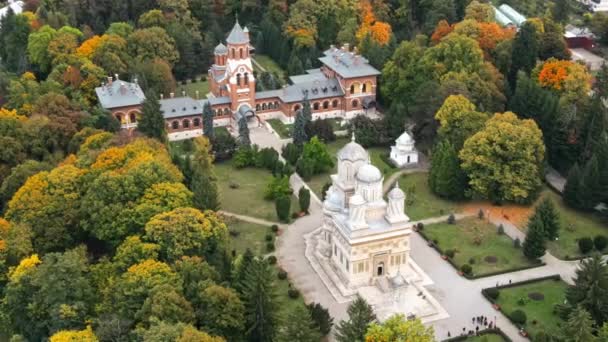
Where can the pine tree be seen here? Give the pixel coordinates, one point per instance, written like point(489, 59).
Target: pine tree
point(260, 300)
point(152, 122)
point(295, 66)
point(550, 218)
point(601, 82)
point(204, 181)
point(579, 327)
point(534, 245)
point(561, 10)
point(208, 121)
point(242, 265)
point(596, 125)
point(446, 178)
point(590, 288)
point(306, 110)
point(572, 187)
point(525, 51)
point(360, 316)
point(588, 191)
point(244, 132)
point(602, 157)
point(299, 129)
point(299, 327)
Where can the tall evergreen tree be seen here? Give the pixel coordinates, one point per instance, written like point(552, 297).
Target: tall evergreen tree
point(590, 180)
point(579, 327)
point(596, 125)
point(242, 265)
point(446, 178)
point(152, 122)
point(14, 31)
point(534, 245)
point(549, 216)
point(531, 101)
point(208, 121)
point(572, 187)
point(299, 327)
point(525, 51)
point(602, 157)
point(295, 66)
point(306, 110)
point(561, 10)
point(204, 182)
point(299, 129)
point(601, 82)
point(260, 299)
point(244, 138)
point(360, 316)
point(590, 289)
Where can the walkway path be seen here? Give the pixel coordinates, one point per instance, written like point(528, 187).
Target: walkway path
point(555, 179)
point(461, 297)
point(250, 219)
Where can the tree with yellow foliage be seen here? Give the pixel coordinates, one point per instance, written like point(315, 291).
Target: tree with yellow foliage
point(86, 335)
point(504, 159)
point(379, 31)
point(569, 79)
point(398, 328)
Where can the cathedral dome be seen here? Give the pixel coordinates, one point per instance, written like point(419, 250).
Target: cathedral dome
point(405, 139)
point(220, 49)
point(333, 201)
point(396, 193)
point(368, 173)
point(356, 200)
point(352, 152)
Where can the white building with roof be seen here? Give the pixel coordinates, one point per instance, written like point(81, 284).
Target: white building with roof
point(404, 153)
point(15, 6)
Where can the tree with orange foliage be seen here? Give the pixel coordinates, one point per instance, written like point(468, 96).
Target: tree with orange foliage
point(570, 79)
point(88, 47)
point(443, 29)
point(379, 31)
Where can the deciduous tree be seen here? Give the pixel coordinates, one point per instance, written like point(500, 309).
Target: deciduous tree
point(397, 328)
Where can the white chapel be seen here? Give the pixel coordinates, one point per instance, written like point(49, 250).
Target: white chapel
point(404, 152)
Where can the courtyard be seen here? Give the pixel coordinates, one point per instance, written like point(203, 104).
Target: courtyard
point(477, 243)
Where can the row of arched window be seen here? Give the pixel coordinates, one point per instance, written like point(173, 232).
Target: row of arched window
point(267, 106)
point(356, 87)
point(245, 78)
point(221, 112)
point(122, 118)
point(318, 105)
point(241, 53)
point(185, 123)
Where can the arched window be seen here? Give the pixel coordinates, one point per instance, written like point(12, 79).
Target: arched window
point(119, 118)
point(246, 78)
point(325, 104)
point(352, 88)
point(355, 103)
point(257, 107)
point(186, 123)
point(335, 103)
point(263, 106)
point(315, 106)
point(196, 122)
point(238, 79)
point(296, 108)
point(241, 52)
point(175, 125)
point(364, 89)
point(276, 104)
point(133, 118)
point(233, 53)
point(226, 111)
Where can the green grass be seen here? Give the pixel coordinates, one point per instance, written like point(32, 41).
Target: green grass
point(250, 235)
point(287, 304)
point(191, 88)
point(283, 130)
point(270, 65)
point(486, 338)
point(421, 202)
point(463, 237)
point(541, 311)
point(248, 197)
point(574, 225)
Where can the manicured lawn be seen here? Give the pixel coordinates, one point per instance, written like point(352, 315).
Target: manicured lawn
point(477, 240)
point(510, 299)
point(282, 129)
point(246, 196)
point(191, 88)
point(245, 235)
point(574, 225)
point(287, 304)
point(421, 202)
point(486, 338)
point(270, 65)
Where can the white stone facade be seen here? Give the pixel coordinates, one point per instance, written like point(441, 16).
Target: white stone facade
point(404, 153)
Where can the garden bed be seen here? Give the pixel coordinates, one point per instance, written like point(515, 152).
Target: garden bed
point(540, 315)
point(487, 335)
point(283, 130)
point(421, 202)
point(477, 243)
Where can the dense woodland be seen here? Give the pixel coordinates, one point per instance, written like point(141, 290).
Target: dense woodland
point(107, 236)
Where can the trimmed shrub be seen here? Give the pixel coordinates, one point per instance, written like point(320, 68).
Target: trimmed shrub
point(466, 269)
point(518, 317)
point(600, 242)
point(278, 187)
point(272, 259)
point(293, 293)
point(304, 199)
point(326, 187)
point(471, 261)
point(517, 243)
point(450, 253)
point(420, 226)
point(480, 214)
point(501, 229)
point(493, 293)
point(270, 247)
point(282, 275)
point(269, 237)
point(291, 152)
point(282, 206)
point(321, 317)
point(274, 228)
point(451, 219)
point(585, 245)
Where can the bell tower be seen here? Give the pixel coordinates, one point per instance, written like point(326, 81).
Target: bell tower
point(239, 70)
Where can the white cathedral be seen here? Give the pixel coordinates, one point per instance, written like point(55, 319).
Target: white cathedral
point(363, 244)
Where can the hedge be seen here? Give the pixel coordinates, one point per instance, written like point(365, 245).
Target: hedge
point(485, 293)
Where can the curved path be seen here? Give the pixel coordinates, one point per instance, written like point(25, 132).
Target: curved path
point(461, 297)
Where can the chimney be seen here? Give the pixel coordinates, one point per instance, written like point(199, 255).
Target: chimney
point(109, 81)
point(171, 95)
point(116, 77)
point(183, 93)
point(162, 96)
point(196, 92)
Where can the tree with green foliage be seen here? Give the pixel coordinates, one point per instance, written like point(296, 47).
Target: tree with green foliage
point(360, 316)
point(152, 122)
point(572, 188)
point(550, 217)
point(589, 184)
point(208, 130)
point(304, 199)
point(504, 160)
point(321, 318)
point(18, 176)
point(398, 328)
point(590, 290)
point(295, 66)
point(299, 327)
point(459, 120)
point(260, 300)
point(534, 244)
point(578, 327)
point(244, 138)
point(299, 129)
point(282, 206)
point(561, 10)
point(221, 312)
point(531, 101)
point(166, 303)
point(525, 51)
point(14, 32)
point(204, 180)
point(315, 153)
point(446, 178)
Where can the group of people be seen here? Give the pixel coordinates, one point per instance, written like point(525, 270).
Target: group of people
point(481, 323)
